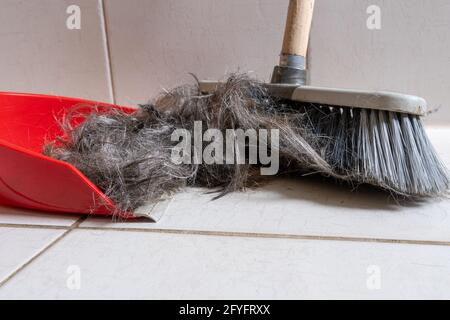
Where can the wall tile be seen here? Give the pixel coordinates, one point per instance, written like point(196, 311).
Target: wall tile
point(39, 54)
point(156, 44)
point(408, 54)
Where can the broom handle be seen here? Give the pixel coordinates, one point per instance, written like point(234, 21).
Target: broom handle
point(298, 27)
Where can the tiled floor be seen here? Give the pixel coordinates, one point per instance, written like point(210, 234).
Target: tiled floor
point(291, 239)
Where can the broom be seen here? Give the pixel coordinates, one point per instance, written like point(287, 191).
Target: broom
point(356, 136)
point(373, 137)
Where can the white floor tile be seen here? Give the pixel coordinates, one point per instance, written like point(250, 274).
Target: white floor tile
point(22, 216)
point(110, 264)
point(19, 245)
point(302, 207)
point(440, 137)
point(307, 206)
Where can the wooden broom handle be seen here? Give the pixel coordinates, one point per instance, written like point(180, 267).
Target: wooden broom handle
point(298, 27)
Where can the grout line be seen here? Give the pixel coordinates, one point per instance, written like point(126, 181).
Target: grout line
point(32, 226)
point(77, 225)
point(273, 236)
point(41, 252)
point(107, 50)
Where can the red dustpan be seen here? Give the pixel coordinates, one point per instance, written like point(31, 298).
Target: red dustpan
point(31, 180)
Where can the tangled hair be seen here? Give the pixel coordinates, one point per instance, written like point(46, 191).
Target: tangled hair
point(129, 156)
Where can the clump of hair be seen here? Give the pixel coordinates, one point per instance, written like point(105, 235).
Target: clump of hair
point(128, 156)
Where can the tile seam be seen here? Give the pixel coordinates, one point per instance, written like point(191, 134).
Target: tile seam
point(230, 234)
point(42, 251)
point(107, 51)
point(33, 226)
point(272, 236)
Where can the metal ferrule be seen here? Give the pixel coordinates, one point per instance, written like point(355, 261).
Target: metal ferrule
point(292, 70)
point(293, 61)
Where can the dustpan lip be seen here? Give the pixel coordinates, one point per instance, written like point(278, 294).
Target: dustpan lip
point(74, 99)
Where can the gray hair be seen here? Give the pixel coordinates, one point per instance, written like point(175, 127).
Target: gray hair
point(128, 156)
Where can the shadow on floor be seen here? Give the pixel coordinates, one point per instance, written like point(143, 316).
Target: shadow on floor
point(329, 192)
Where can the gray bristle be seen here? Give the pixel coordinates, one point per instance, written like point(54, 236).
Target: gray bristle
point(386, 149)
point(129, 156)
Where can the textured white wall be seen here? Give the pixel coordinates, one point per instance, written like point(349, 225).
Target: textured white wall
point(410, 53)
point(155, 44)
point(39, 54)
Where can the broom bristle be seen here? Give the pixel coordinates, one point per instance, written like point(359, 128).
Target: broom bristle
point(382, 148)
